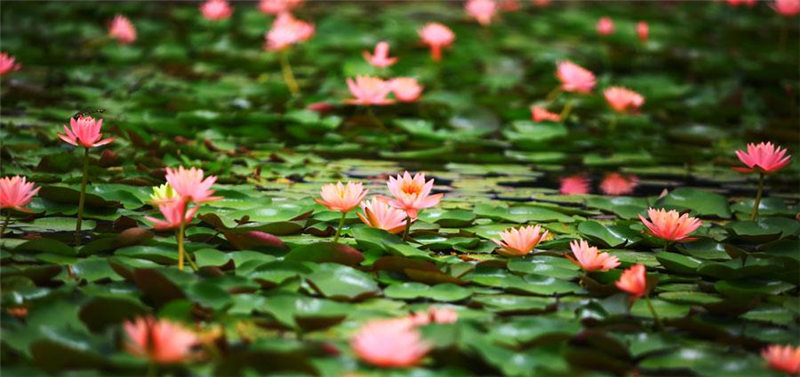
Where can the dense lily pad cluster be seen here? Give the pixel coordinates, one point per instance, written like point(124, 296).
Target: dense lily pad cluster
point(622, 235)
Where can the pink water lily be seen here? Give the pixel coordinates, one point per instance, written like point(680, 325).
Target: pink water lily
point(381, 57)
point(122, 30)
point(215, 10)
point(84, 131)
point(519, 241)
point(379, 214)
point(670, 225)
point(633, 281)
point(369, 90)
point(16, 192)
point(278, 6)
point(340, 197)
point(540, 114)
point(763, 158)
point(481, 10)
point(172, 212)
point(642, 31)
point(391, 343)
point(605, 26)
point(623, 100)
point(190, 185)
point(434, 315)
point(159, 341)
point(574, 185)
point(287, 31)
point(436, 36)
point(618, 184)
point(787, 8)
point(406, 89)
point(412, 194)
point(783, 358)
point(575, 78)
point(590, 259)
point(8, 64)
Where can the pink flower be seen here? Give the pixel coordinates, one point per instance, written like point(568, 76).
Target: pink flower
point(434, 315)
point(763, 158)
point(617, 184)
point(369, 90)
point(172, 213)
point(605, 26)
point(588, 258)
point(393, 343)
point(787, 8)
point(379, 214)
point(16, 192)
point(338, 197)
point(7, 64)
point(436, 36)
point(642, 30)
point(670, 225)
point(481, 10)
point(634, 281)
point(412, 194)
point(575, 78)
point(278, 6)
point(540, 114)
point(574, 185)
point(159, 341)
point(122, 30)
point(519, 241)
point(381, 58)
point(85, 132)
point(190, 185)
point(783, 358)
point(509, 5)
point(623, 100)
point(406, 89)
point(286, 31)
point(214, 10)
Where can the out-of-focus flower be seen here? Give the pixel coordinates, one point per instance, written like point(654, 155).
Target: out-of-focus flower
point(509, 5)
point(286, 31)
point(191, 186)
point(172, 214)
point(633, 281)
point(434, 315)
point(623, 100)
point(84, 131)
point(481, 10)
point(122, 30)
point(574, 185)
point(320, 107)
point(393, 343)
point(379, 214)
point(406, 89)
point(215, 10)
point(590, 259)
point(436, 36)
point(381, 57)
point(160, 341)
point(520, 241)
point(642, 30)
point(787, 8)
point(575, 78)
point(412, 194)
point(783, 358)
point(278, 6)
point(16, 192)
point(369, 91)
point(605, 26)
point(7, 64)
point(342, 198)
point(617, 184)
point(762, 158)
point(540, 114)
point(670, 225)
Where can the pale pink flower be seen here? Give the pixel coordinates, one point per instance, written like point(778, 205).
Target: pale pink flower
point(763, 158)
point(342, 198)
point(623, 100)
point(7, 64)
point(159, 341)
point(393, 343)
point(590, 259)
point(575, 78)
point(605, 26)
point(412, 194)
point(670, 225)
point(278, 6)
point(406, 89)
point(379, 214)
point(540, 114)
point(642, 30)
point(122, 30)
point(84, 131)
point(16, 192)
point(215, 10)
point(381, 57)
point(787, 8)
point(436, 36)
point(286, 31)
point(434, 315)
point(520, 241)
point(369, 90)
point(574, 185)
point(172, 214)
point(481, 10)
point(617, 184)
point(783, 358)
point(190, 185)
point(633, 281)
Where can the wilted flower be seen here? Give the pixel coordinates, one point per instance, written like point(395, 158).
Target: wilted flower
point(392, 343)
point(783, 358)
point(379, 214)
point(84, 131)
point(406, 89)
point(381, 57)
point(278, 6)
point(159, 341)
point(172, 212)
point(342, 198)
point(633, 281)
point(215, 10)
point(574, 185)
point(763, 158)
point(590, 259)
point(617, 184)
point(519, 241)
point(623, 100)
point(575, 78)
point(369, 90)
point(191, 186)
point(642, 30)
point(16, 192)
point(122, 30)
point(605, 26)
point(412, 194)
point(670, 225)
point(436, 36)
point(540, 114)
point(7, 64)
point(481, 10)
point(787, 8)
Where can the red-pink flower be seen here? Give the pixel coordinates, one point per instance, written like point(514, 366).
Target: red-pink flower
point(617, 184)
point(7, 64)
point(762, 158)
point(342, 198)
point(172, 214)
point(436, 36)
point(509, 5)
point(633, 281)
point(574, 185)
point(519, 241)
point(605, 26)
point(122, 30)
point(787, 8)
point(278, 6)
point(159, 341)
point(670, 225)
point(412, 194)
point(379, 214)
point(84, 131)
point(381, 57)
point(590, 259)
point(783, 358)
point(406, 89)
point(369, 90)
point(575, 78)
point(190, 185)
point(642, 30)
point(393, 343)
point(286, 31)
point(540, 114)
point(215, 10)
point(623, 100)
point(434, 315)
point(16, 192)
point(481, 10)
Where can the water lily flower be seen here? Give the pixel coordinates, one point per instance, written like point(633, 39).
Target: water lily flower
point(379, 214)
point(84, 131)
point(278, 6)
point(540, 114)
point(520, 241)
point(481, 10)
point(589, 259)
point(406, 89)
point(575, 78)
point(381, 57)
point(643, 31)
point(436, 36)
point(393, 343)
point(670, 225)
point(172, 212)
point(122, 30)
point(434, 315)
point(163, 194)
point(763, 158)
point(215, 10)
point(783, 358)
point(787, 8)
point(633, 281)
point(412, 194)
point(617, 184)
point(369, 90)
point(7, 64)
point(342, 198)
point(159, 341)
point(509, 5)
point(623, 100)
point(16, 192)
point(190, 185)
point(574, 185)
point(605, 26)
point(287, 31)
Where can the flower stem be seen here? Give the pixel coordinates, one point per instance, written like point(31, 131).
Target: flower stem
point(407, 229)
point(567, 109)
point(553, 94)
point(181, 229)
point(152, 370)
point(758, 196)
point(82, 199)
point(653, 311)
point(339, 229)
point(5, 222)
point(288, 76)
